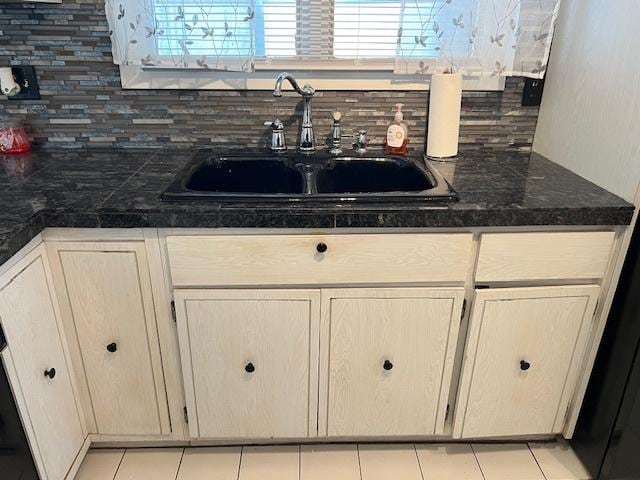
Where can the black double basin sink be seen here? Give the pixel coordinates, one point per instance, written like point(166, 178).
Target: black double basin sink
point(297, 178)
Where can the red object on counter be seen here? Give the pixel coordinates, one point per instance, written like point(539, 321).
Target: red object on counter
point(13, 138)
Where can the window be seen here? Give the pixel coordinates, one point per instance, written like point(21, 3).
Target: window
point(290, 29)
point(396, 41)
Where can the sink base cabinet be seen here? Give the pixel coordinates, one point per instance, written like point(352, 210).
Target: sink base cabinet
point(299, 337)
point(387, 360)
point(250, 362)
point(522, 359)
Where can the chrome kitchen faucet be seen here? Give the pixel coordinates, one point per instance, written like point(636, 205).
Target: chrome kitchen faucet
point(306, 140)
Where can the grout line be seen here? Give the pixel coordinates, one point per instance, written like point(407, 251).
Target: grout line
point(179, 464)
point(240, 462)
point(535, 459)
point(299, 462)
point(418, 460)
point(119, 463)
point(359, 464)
point(477, 461)
point(118, 188)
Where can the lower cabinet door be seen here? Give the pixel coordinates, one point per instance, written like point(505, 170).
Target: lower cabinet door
point(38, 371)
point(108, 299)
point(522, 359)
point(250, 362)
point(386, 360)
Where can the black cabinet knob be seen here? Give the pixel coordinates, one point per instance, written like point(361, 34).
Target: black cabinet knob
point(524, 365)
point(387, 365)
point(112, 347)
point(249, 368)
point(321, 247)
point(51, 373)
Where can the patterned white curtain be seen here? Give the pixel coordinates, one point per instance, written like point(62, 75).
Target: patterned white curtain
point(476, 37)
point(204, 34)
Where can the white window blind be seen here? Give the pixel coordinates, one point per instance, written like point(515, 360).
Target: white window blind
point(486, 37)
point(366, 28)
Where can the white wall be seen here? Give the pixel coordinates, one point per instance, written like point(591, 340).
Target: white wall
point(590, 116)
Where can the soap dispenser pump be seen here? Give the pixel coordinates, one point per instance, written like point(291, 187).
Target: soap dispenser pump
point(397, 139)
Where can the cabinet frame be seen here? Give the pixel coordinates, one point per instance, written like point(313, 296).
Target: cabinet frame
point(312, 295)
point(455, 293)
point(139, 250)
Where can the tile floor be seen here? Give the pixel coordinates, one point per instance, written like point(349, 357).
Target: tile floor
point(542, 461)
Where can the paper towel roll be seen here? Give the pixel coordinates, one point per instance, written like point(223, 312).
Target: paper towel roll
point(445, 99)
point(7, 83)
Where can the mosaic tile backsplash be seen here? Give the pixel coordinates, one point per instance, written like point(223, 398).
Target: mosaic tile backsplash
point(83, 104)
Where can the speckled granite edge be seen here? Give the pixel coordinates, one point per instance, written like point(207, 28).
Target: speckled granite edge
point(23, 233)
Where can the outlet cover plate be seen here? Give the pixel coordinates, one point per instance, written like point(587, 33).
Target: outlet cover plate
point(532, 93)
point(26, 77)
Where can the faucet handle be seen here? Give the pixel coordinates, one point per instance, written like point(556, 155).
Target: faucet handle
point(275, 124)
point(360, 143)
point(278, 143)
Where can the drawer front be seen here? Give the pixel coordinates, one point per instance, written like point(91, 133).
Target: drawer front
point(302, 259)
point(543, 256)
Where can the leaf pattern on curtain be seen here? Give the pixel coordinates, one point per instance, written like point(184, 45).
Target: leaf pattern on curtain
point(195, 34)
point(476, 37)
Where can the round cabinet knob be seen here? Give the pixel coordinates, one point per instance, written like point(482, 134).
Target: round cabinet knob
point(249, 368)
point(321, 247)
point(112, 347)
point(51, 373)
point(524, 365)
point(387, 365)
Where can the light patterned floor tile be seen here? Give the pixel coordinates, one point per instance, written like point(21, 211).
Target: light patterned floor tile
point(270, 463)
point(558, 462)
point(507, 462)
point(150, 464)
point(389, 462)
point(335, 462)
point(100, 464)
point(448, 461)
point(215, 463)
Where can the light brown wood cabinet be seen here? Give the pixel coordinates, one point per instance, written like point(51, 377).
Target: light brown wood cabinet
point(105, 294)
point(250, 362)
point(277, 339)
point(522, 358)
point(38, 369)
point(387, 360)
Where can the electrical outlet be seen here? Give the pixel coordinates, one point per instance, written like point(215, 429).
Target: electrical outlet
point(26, 77)
point(532, 94)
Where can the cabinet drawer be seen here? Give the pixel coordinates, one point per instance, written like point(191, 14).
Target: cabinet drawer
point(302, 259)
point(543, 256)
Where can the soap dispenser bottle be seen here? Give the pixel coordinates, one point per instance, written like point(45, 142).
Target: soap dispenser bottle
point(397, 139)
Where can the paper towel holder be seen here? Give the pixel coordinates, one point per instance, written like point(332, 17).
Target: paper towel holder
point(442, 137)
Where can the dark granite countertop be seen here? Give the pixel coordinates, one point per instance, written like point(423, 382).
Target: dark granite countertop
point(121, 188)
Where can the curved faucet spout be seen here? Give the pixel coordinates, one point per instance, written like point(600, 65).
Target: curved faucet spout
point(306, 91)
point(306, 139)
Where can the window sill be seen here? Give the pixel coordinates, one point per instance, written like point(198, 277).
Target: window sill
point(134, 77)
